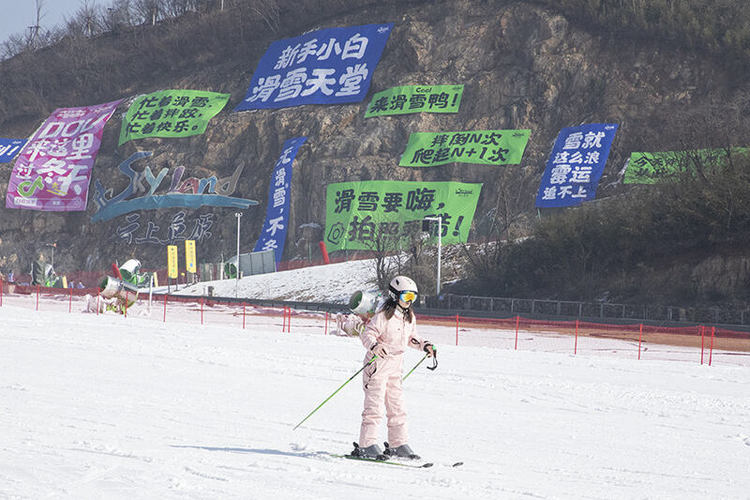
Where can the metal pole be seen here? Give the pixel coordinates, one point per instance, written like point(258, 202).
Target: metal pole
point(440, 251)
point(237, 274)
point(439, 220)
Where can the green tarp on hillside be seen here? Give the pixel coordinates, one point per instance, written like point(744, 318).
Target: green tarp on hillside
point(486, 147)
point(384, 215)
point(171, 113)
point(416, 99)
point(651, 168)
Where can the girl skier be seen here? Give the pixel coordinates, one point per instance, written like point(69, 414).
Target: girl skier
point(386, 336)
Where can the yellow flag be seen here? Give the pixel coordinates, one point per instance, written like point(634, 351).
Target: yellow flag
point(190, 261)
point(172, 261)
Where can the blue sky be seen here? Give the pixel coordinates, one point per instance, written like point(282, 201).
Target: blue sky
point(17, 15)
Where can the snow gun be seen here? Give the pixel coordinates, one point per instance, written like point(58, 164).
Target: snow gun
point(130, 272)
point(364, 302)
point(126, 292)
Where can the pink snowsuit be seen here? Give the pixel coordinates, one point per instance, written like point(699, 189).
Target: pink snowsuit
point(382, 378)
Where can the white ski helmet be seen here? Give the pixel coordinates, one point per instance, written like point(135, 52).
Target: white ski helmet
point(401, 284)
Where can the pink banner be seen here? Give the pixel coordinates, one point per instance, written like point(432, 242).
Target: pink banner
point(53, 171)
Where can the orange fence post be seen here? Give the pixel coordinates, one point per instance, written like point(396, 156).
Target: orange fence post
point(711, 350)
point(703, 335)
point(289, 323)
point(283, 324)
point(324, 252)
point(518, 321)
point(640, 339)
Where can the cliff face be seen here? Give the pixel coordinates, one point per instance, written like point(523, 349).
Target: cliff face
point(523, 66)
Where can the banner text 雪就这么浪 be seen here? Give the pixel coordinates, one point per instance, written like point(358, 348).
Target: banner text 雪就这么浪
point(575, 165)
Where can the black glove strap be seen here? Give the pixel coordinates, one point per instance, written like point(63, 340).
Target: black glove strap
point(434, 357)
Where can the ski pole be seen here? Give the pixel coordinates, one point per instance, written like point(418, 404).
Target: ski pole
point(336, 391)
point(420, 362)
point(415, 367)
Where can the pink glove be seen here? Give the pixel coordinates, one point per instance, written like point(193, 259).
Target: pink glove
point(379, 350)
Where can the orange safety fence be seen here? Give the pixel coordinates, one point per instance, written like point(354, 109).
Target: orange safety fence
point(638, 340)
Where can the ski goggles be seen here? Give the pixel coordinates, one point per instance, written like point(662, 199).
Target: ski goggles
point(408, 296)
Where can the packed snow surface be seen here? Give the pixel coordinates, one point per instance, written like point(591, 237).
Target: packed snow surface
point(103, 406)
point(333, 283)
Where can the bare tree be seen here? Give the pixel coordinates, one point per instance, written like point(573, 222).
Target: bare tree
point(35, 29)
point(176, 8)
point(149, 11)
point(395, 254)
point(86, 20)
point(498, 223)
point(118, 16)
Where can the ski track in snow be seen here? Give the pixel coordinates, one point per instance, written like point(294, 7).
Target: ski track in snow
point(111, 407)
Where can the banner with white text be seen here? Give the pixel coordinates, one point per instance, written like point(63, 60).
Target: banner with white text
point(53, 170)
point(9, 148)
point(329, 66)
point(273, 234)
point(575, 165)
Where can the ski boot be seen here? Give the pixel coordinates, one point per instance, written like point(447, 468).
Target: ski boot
point(403, 451)
point(372, 452)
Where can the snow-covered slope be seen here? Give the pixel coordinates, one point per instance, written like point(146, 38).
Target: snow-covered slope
point(332, 283)
point(112, 407)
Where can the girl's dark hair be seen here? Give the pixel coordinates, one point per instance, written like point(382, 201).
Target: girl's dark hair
point(389, 307)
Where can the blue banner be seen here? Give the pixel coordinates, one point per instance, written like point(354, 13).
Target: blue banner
point(9, 148)
point(575, 165)
point(273, 234)
point(330, 66)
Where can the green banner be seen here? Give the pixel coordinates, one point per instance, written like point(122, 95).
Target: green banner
point(651, 168)
point(486, 147)
point(416, 99)
point(385, 215)
point(171, 113)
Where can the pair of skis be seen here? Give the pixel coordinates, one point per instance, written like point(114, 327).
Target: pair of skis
point(393, 462)
point(384, 459)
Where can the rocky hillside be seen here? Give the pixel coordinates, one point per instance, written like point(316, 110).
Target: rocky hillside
point(523, 65)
